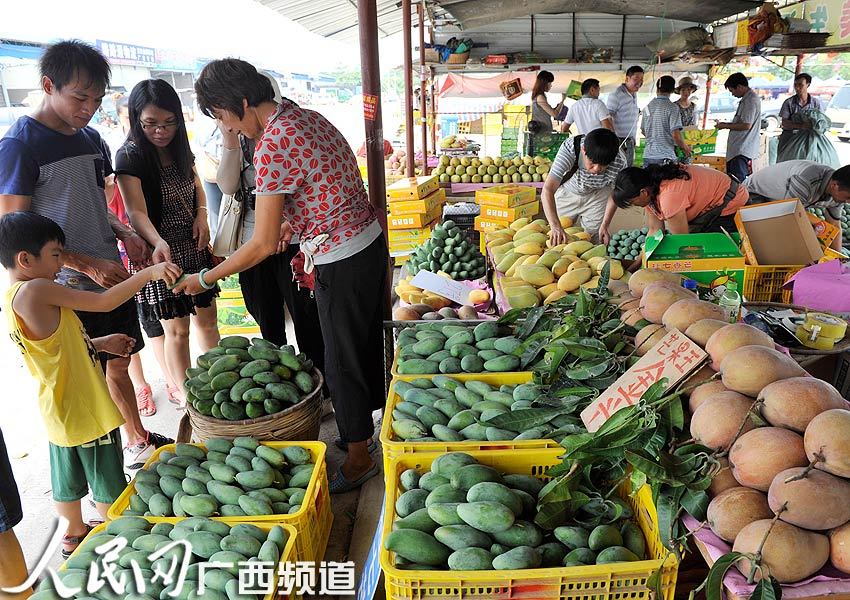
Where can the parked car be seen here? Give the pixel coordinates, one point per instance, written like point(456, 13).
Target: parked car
point(722, 107)
point(838, 112)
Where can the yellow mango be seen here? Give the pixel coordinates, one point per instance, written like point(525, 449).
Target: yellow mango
point(583, 235)
point(511, 272)
point(519, 223)
point(578, 247)
point(626, 276)
point(565, 222)
point(478, 297)
point(599, 250)
point(559, 247)
point(536, 275)
point(499, 241)
point(533, 226)
point(596, 260)
point(507, 261)
point(554, 297)
point(530, 259)
point(616, 269)
point(529, 248)
point(593, 283)
point(548, 289)
point(569, 282)
point(578, 264)
point(522, 297)
point(413, 297)
point(549, 258)
point(574, 230)
point(561, 265)
point(514, 282)
point(530, 236)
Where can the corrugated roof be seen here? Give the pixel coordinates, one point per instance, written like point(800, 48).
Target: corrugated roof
point(337, 19)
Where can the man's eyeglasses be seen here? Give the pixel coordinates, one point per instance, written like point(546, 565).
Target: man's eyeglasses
point(163, 126)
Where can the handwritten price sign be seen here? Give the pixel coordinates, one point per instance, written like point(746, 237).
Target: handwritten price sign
point(674, 358)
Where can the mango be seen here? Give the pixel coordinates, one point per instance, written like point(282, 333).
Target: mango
point(522, 557)
point(594, 252)
point(732, 337)
point(578, 264)
point(572, 280)
point(561, 265)
point(684, 313)
point(489, 517)
point(748, 370)
point(644, 277)
point(732, 510)
point(658, 297)
point(417, 546)
point(528, 248)
point(471, 559)
point(827, 441)
point(839, 548)
point(554, 297)
point(757, 456)
point(717, 421)
point(789, 554)
point(648, 337)
point(702, 330)
point(818, 501)
point(536, 275)
point(792, 403)
point(578, 248)
point(457, 537)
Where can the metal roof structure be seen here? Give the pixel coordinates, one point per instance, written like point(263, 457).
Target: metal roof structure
point(337, 19)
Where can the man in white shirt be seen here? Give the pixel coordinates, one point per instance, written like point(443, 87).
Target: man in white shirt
point(622, 104)
point(589, 112)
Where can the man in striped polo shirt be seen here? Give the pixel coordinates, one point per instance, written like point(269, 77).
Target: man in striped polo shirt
point(662, 126)
point(622, 104)
point(53, 164)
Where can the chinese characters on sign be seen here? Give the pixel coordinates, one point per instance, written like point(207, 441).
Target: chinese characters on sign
point(673, 358)
point(127, 54)
point(370, 107)
point(170, 568)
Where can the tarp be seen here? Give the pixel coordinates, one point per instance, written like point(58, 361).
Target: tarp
point(475, 85)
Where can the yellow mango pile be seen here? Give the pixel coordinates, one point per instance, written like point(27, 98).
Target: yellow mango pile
point(537, 272)
point(413, 295)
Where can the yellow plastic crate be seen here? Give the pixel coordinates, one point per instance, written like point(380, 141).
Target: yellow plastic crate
point(618, 581)
point(394, 447)
point(511, 378)
point(287, 556)
point(764, 283)
point(313, 522)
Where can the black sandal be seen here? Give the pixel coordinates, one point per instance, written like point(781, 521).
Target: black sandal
point(75, 540)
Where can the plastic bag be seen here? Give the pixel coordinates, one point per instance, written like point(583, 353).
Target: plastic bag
point(687, 40)
point(808, 144)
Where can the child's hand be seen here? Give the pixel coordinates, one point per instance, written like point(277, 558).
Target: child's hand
point(166, 271)
point(115, 343)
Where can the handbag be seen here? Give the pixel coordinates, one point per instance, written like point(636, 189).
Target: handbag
point(231, 215)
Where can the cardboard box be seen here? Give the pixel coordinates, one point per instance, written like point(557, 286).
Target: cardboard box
point(701, 141)
point(506, 196)
point(413, 188)
point(425, 205)
point(778, 233)
point(413, 221)
point(825, 232)
point(710, 259)
point(711, 160)
point(510, 214)
point(487, 224)
point(418, 234)
point(234, 318)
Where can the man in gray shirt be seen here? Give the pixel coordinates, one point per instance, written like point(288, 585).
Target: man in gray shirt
point(744, 130)
point(662, 126)
point(622, 104)
point(816, 185)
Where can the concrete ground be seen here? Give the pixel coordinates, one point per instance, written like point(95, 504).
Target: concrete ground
point(25, 437)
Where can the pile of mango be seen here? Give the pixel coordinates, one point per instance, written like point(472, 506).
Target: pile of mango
point(465, 516)
point(434, 348)
point(227, 478)
point(537, 272)
point(222, 546)
point(417, 297)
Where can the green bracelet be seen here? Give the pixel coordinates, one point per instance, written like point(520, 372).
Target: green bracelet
point(203, 283)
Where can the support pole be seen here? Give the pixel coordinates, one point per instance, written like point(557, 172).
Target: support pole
point(532, 33)
point(622, 41)
point(370, 73)
point(799, 68)
point(707, 97)
point(407, 27)
point(575, 33)
point(432, 109)
point(423, 88)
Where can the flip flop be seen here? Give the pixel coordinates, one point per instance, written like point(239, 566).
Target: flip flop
point(144, 402)
point(340, 485)
point(371, 446)
point(76, 540)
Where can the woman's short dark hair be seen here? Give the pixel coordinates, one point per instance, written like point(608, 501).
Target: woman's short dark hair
point(224, 84)
point(631, 180)
point(26, 231)
point(65, 61)
point(736, 79)
point(544, 78)
point(159, 93)
point(587, 85)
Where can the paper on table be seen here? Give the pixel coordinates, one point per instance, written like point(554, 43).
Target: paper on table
point(827, 581)
point(824, 286)
point(447, 288)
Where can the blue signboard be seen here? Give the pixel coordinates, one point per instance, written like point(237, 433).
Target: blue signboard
point(371, 574)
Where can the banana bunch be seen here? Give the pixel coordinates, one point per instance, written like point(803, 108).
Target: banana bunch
point(537, 272)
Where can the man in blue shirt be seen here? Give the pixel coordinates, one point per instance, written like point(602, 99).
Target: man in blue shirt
point(662, 126)
point(53, 164)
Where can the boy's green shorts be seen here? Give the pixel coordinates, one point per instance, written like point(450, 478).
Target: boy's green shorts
point(98, 465)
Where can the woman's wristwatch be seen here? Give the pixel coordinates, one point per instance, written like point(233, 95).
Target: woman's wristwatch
point(203, 283)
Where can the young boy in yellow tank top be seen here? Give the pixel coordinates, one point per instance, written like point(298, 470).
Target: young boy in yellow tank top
point(80, 417)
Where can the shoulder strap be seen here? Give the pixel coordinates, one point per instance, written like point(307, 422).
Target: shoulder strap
point(577, 147)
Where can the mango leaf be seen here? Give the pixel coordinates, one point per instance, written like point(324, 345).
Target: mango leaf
point(767, 589)
point(604, 278)
point(585, 348)
point(668, 514)
point(676, 414)
point(557, 354)
point(531, 348)
point(557, 501)
point(581, 309)
point(647, 465)
point(523, 419)
point(527, 326)
point(695, 503)
point(714, 582)
point(512, 316)
point(589, 370)
point(566, 405)
point(637, 480)
point(563, 389)
point(567, 430)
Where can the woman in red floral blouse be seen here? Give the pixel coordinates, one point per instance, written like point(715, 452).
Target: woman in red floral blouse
point(308, 183)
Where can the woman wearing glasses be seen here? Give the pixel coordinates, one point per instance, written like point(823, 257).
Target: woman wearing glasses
point(167, 207)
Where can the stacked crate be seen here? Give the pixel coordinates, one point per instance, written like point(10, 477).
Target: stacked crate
point(414, 207)
point(502, 205)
